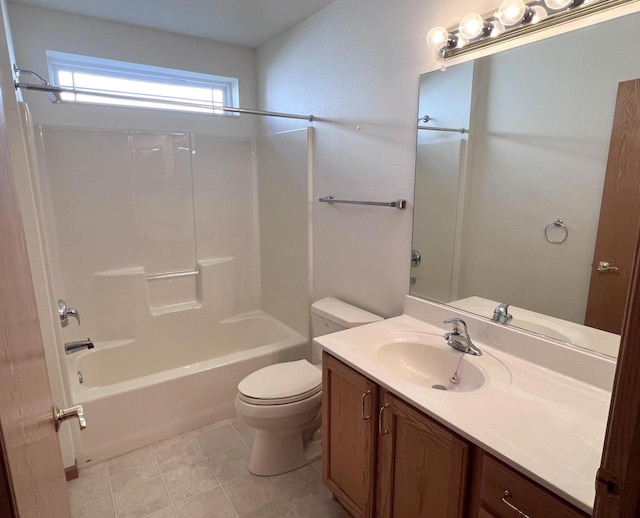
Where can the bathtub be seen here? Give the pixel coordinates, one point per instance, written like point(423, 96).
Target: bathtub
point(138, 392)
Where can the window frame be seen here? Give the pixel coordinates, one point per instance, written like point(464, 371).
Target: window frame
point(63, 61)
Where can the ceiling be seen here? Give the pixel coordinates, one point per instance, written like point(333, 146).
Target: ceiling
point(244, 22)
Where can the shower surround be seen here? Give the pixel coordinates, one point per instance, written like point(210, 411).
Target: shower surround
point(187, 256)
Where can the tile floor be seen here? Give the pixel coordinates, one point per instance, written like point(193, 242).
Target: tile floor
point(199, 474)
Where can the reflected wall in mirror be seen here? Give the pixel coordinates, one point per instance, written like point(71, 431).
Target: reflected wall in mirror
point(539, 119)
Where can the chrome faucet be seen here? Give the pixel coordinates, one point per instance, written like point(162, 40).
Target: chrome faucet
point(64, 313)
point(501, 313)
point(459, 338)
point(72, 347)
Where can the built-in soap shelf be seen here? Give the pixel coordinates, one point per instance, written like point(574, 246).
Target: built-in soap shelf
point(169, 292)
point(127, 291)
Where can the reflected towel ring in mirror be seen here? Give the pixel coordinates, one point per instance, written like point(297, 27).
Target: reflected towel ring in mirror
point(556, 224)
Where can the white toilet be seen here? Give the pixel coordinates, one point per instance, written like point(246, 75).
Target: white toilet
point(283, 401)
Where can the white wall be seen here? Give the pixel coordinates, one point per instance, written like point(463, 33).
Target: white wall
point(283, 201)
point(36, 30)
point(357, 64)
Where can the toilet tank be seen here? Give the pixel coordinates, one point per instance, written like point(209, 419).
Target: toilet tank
point(330, 315)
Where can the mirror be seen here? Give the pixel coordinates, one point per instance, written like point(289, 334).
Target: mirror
point(493, 206)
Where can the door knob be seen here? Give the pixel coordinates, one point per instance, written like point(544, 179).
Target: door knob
point(604, 266)
point(60, 415)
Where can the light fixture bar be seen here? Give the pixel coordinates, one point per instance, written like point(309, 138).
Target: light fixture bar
point(553, 19)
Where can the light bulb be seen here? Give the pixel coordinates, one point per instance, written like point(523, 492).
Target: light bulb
point(472, 26)
point(513, 11)
point(437, 38)
point(539, 13)
point(561, 4)
point(498, 28)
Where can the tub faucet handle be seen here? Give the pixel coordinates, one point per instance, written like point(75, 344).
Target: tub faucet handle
point(65, 312)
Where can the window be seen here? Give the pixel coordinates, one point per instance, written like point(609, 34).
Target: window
point(142, 86)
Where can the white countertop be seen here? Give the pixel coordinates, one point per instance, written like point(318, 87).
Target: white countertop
point(545, 423)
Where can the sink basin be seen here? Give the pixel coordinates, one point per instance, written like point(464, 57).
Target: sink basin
point(551, 329)
point(426, 360)
point(529, 321)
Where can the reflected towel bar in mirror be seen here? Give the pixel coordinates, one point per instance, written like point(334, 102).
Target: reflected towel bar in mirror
point(436, 128)
point(425, 119)
point(398, 204)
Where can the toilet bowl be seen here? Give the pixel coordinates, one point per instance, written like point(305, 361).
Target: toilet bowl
point(283, 402)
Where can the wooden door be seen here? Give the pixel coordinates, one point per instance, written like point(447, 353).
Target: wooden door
point(618, 480)
point(349, 403)
point(35, 484)
point(619, 215)
point(422, 466)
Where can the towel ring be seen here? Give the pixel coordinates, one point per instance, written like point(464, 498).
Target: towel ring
point(556, 223)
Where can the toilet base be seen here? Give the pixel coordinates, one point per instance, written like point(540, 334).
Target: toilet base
point(277, 453)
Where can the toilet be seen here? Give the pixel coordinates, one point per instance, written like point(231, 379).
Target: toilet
point(283, 402)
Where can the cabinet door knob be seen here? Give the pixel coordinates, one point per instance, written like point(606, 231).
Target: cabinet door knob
point(364, 396)
point(380, 430)
point(506, 498)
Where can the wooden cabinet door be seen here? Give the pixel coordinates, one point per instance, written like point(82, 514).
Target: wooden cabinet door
point(505, 493)
point(422, 466)
point(349, 403)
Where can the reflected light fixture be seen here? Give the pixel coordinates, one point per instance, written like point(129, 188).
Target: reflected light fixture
point(512, 19)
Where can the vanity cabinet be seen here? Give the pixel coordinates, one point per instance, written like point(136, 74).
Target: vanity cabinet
point(502, 492)
point(383, 458)
point(349, 433)
point(422, 466)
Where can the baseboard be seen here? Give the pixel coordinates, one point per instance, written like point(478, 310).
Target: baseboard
point(72, 471)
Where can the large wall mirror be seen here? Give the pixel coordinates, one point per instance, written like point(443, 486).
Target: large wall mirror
point(509, 211)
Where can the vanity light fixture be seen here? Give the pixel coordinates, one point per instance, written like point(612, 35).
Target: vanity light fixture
point(439, 38)
point(474, 26)
point(512, 19)
point(512, 12)
point(562, 4)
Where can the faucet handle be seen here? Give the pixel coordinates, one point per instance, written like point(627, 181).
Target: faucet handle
point(501, 313)
point(64, 313)
point(456, 323)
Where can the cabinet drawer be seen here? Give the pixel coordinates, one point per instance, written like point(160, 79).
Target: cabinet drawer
point(502, 487)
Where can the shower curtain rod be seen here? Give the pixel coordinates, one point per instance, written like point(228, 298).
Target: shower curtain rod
point(56, 90)
point(436, 128)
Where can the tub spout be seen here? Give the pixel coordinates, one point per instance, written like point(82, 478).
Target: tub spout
point(72, 347)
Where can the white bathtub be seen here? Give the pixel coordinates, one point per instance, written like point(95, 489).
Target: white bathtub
point(138, 392)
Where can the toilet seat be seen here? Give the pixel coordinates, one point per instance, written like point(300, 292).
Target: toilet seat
point(281, 384)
